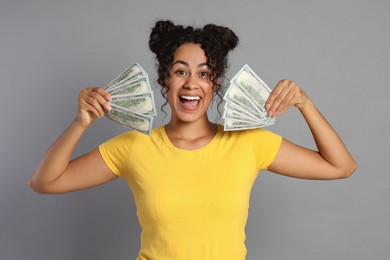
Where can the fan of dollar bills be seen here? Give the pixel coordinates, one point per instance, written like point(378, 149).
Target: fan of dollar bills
point(245, 102)
point(132, 100)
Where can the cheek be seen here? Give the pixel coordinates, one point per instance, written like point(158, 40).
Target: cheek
point(172, 87)
point(208, 89)
point(174, 82)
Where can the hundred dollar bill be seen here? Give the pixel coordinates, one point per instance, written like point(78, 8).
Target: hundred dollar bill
point(253, 87)
point(235, 95)
point(132, 100)
point(127, 82)
point(140, 103)
point(241, 110)
point(140, 85)
point(232, 125)
point(237, 116)
point(134, 71)
point(245, 102)
point(137, 122)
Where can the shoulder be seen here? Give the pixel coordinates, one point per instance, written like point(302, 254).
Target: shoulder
point(259, 139)
point(124, 137)
point(122, 144)
point(260, 143)
point(132, 136)
point(258, 134)
point(261, 133)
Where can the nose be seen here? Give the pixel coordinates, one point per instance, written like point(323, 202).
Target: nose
point(190, 83)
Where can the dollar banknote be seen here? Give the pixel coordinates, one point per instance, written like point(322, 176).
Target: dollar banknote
point(237, 97)
point(237, 116)
point(137, 86)
point(232, 125)
point(239, 109)
point(132, 100)
point(126, 118)
point(245, 102)
point(130, 73)
point(142, 104)
point(253, 87)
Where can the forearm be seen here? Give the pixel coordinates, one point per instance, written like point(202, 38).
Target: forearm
point(57, 158)
point(329, 144)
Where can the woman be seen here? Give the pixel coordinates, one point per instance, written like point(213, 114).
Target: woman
point(191, 180)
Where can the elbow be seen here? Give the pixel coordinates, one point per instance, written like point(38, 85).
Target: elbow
point(348, 171)
point(36, 187)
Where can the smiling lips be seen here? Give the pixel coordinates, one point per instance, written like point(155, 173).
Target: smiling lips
point(190, 102)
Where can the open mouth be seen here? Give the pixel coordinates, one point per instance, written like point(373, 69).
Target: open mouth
point(190, 102)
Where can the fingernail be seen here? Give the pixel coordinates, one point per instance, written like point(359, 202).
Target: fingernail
point(267, 106)
point(270, 113)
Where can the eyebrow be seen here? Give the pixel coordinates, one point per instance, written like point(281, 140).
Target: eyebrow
point(186, 63)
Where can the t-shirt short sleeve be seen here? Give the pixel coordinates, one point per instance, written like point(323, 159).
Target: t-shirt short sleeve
point(116, 152)
point(265, 146)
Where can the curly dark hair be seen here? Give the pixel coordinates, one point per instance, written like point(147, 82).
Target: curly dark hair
point(216, 41)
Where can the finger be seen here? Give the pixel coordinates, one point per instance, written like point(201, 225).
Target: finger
point(286, 103)
point(93, 101)
point(282, 90)
point(89, 103)
point(91, 93)
point(275, 92)
point(103, 93)
point(90, 109)
point(102, 97)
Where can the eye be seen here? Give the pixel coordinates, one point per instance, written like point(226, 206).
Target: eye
point(205, 74)
point(180, 72)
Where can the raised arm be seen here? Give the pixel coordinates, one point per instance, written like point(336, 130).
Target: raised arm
point(57, 173)
point(331, 161)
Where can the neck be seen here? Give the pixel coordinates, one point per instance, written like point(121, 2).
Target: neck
point(190, 130)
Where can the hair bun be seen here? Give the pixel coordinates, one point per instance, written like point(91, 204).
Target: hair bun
point(226, 37)
point(159, 33)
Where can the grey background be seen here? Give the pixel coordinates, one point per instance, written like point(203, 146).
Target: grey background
point(338, 51)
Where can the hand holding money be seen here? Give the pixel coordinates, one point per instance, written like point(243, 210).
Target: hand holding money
point(285, 94)
point(246, 98)
point(132, 100)
point(93, 103)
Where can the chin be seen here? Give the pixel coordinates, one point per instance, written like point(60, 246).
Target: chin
point(188, 118)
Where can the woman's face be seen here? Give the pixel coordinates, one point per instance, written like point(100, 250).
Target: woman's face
point(190, 88)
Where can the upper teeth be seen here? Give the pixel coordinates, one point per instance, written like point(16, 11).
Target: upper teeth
point(190, 97)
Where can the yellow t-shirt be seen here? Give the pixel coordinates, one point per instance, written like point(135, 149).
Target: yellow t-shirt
point(191, 204)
